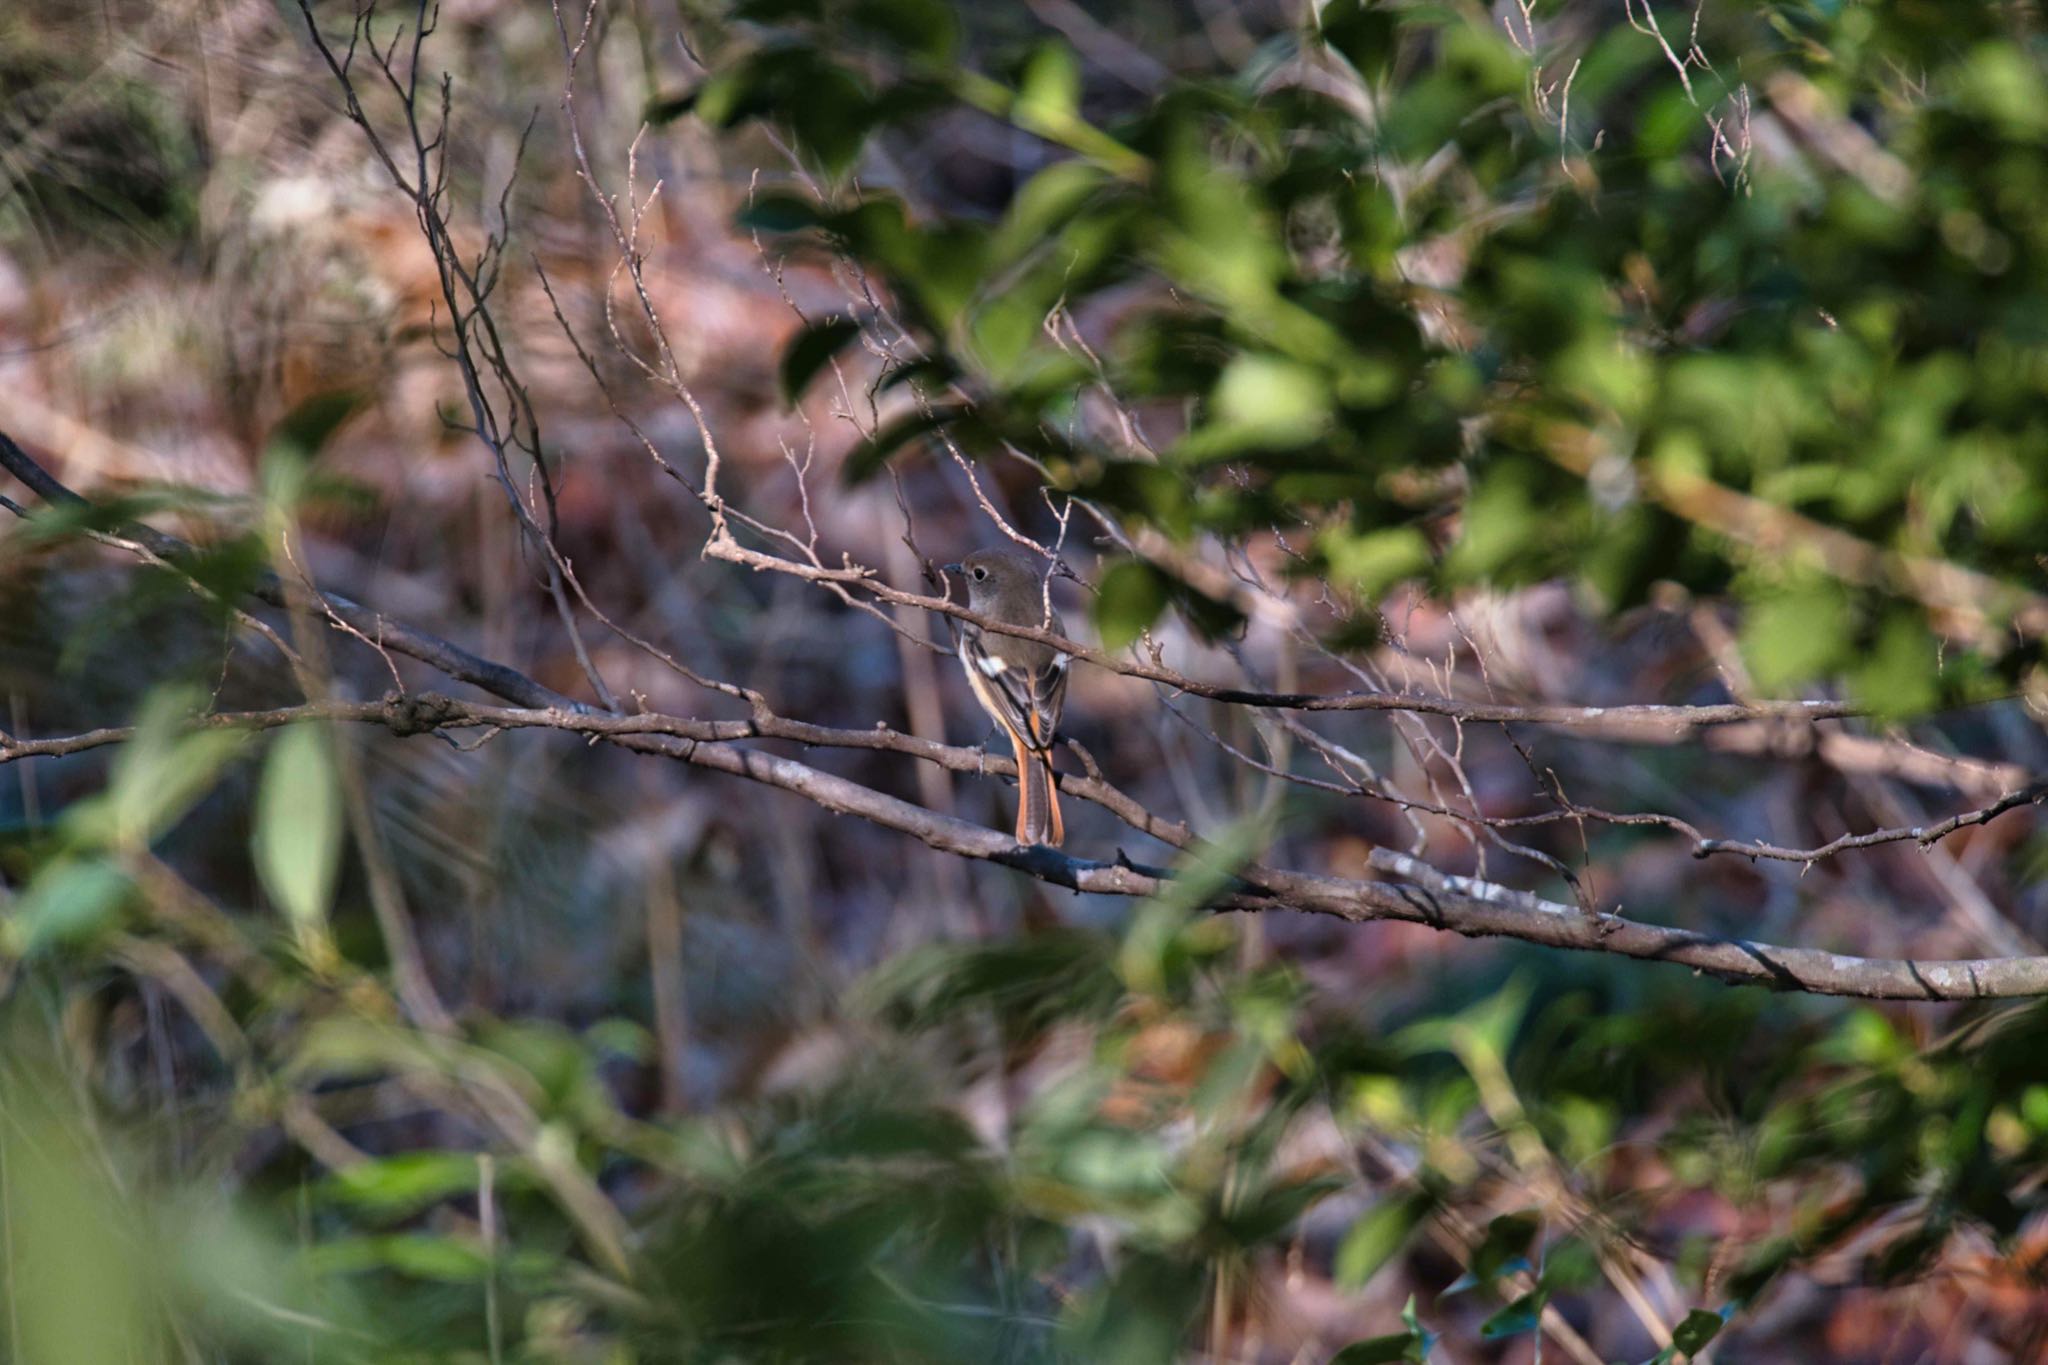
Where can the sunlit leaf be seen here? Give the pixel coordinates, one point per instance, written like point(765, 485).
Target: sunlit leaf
point(158, 774)
point(1375, 1239)
point(1049, 92)
point(1793, 636)
point(406, 1182)
point(448, 1260)
point(297, 842)
point(1128, 600)
point(1272, 401)
point(1371, 562)
point(1897, 676)
point(71, 901)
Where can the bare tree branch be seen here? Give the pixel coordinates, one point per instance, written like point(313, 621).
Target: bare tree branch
point(1610, 721)
point(1413, 891)
point(512, 685)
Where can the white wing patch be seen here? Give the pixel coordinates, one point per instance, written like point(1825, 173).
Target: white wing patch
point(991, 665)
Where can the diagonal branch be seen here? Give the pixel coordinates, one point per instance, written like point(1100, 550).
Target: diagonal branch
point(1409, 890)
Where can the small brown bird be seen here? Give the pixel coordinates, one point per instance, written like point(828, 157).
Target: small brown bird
point(1020, 683)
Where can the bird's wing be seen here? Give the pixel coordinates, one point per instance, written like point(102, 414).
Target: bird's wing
point(1027, 700)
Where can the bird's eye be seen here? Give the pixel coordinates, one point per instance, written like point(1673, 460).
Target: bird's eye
point(980, 573)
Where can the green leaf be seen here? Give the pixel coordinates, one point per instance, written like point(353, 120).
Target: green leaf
point(1374, 1350)
point(344, 1048)
point(824, 106)
point(1522, 1315)
point(1505, 1247)
point(297, 843)
point(2003, 82)
point(830, 116)
point(1375, 1238)
point(1128, 600)
point(667, 108)
point(1795, 635)
point(446, 1260)
point(1699, 1328)
point(70, 902)
point(929, 28)
point(2034, 1108)
point(306, 428)
point(928, 372)
point(1569, 1265)
point(61, 521)
point(1896, 677)
point(1048, 199)
point(1049, 91)
point(403, 1184)
point(1371, 562)
point(1413, 1345)
point(865, 460)
point(947, 266)
point(1139, 1317)
point(1502, 526)
point(158, 775)
point(1481, 1034)
point(810, 351)
point(1414, 1325)
point(1363, 31)
point(779, 213)
point(1272, 401)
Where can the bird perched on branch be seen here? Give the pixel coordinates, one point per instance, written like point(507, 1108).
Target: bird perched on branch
point(1020, 683)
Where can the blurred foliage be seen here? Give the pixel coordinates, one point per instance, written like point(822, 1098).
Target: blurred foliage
point(118, 166)
point(1400, 291)
point(1164, 1123)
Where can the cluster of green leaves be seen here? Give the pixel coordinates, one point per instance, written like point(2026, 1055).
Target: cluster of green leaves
point(1627, 303)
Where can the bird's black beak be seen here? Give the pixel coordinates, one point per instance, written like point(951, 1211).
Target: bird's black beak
point(952, 568)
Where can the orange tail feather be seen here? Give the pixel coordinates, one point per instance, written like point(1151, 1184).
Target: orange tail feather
point(1038, 801)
